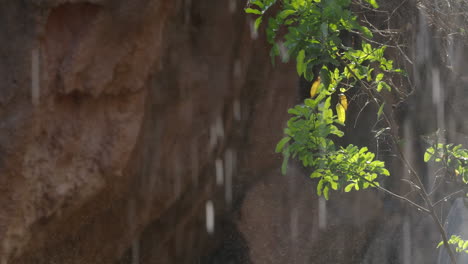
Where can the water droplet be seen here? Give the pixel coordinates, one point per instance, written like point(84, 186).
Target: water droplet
point(213, 137)
point(210, 217)
point(229, 161)
point(237, 68)
point(219, 172)
point(136, 252)
point(232, 6)
point(253, 32)
point(322, 217)
point(35, 77)
point(237, 110)
point(219, 127)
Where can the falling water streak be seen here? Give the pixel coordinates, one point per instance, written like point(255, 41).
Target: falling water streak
point(322, 213)
point(219, 172)
point(294, 224)
point(423, 41)
point(187, 9)
point(213, 137)
point(284, 54)
point(253, 31)
point(237, 110)
point(209, 217)
point(136, 252)
point(232, 6)
point(35, 80)
point(407, 147)
point(409, 154)
point(229, 165)
point(131, 216)
point(406, 242)
point(177, 176)
point(219, 127)
point(437, 98)
point(237, 71)
point(194, 160)
point(422, 51)
point(451, 59)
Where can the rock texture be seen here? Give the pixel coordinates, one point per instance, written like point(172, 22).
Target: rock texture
point(123, 123)
point(118, 114)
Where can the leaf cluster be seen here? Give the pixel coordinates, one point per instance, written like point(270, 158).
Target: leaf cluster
point(308, 138)
point(453, 158)
point(460, 244)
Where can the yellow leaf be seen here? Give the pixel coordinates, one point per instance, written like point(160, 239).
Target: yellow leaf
point(344, 101)
point(341, 113)
point(314, 87)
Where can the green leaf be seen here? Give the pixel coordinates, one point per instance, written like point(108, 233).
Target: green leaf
point(366, 31)
point(325, 192)
point(252, 11)
point(381, 108)
point(440, 244)
point(284, 165)
point(334, 185)
point(285, 13)
point(382, 85)
point(428, 154)
point(281, 143)
point(258, 3)
point(349, 187)
point(373, 3)
point(300, 62)
point(319, 187)
point(379, 77)
point(465, 245)
point(385, 172)
point(325, 77)
point(257, 23)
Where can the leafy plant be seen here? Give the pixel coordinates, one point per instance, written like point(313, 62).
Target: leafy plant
point(460, 244)
point(311, 31)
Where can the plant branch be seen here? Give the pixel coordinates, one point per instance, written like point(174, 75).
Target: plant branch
point(417, 206)
point(448, 197)
point(423, 192)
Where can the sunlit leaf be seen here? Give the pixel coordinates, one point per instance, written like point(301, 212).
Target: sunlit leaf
point(380, 112)
point(334, 185)
point(341, 113)
point(319, 187)
point(379, 77)
point(300, 66)
point(428, 154)
point(344, 101)
point(314, 87)
point(253, 11)
point(258, 3)
point(373, 3)
point(366, 31)
point(325, 192)
point(257, 23)
point(349, 187)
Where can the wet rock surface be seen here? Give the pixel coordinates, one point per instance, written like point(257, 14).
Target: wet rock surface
point(123, 123)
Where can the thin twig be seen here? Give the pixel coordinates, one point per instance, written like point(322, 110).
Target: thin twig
point(448, 197)
point(413, 173)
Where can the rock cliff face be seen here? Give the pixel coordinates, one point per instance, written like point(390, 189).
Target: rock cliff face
point(117, 117)
point(125, 124)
